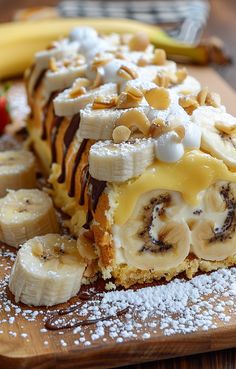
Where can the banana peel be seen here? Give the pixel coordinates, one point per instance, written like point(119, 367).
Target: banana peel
point(19, 41)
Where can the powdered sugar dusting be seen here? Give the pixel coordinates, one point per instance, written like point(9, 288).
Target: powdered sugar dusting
point(203, 303)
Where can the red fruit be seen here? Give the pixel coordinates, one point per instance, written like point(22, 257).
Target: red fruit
point(4, 115)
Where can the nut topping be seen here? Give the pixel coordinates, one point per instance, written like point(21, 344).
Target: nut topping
point(158, 98)
point(139, 42)
point(121, 134)
point(136, 119)
point(101, 102)
point(53, 65)
point(131, 98)
point(159, 57)
point(127, 73)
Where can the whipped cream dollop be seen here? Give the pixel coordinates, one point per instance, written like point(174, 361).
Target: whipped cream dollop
point(83, 33)
point(168, 147)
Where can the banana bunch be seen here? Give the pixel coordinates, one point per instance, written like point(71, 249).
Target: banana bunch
point(17, 170)
point(25, 214)
point(19, 41)
point(218, 133)
point(163, 229)
point(47, 271)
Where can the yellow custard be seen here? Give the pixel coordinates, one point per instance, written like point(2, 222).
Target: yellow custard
point(194, 172)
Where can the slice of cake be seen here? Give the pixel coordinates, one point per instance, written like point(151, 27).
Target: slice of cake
point(139, 155)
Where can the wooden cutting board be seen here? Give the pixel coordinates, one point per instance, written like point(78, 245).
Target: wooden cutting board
point(25, 344)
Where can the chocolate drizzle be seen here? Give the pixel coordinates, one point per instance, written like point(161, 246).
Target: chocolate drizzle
point(56, 126)
point(59, 322)
point(153, 245)
point(39, 79)
point(45, 112)
point(78, 157)
point(83, 181)
point(68, 138)
point(95, 189)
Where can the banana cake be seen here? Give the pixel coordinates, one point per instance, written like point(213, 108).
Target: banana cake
point(139, 155)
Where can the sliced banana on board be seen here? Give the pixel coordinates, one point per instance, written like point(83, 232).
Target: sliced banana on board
point(65, 105)
point(120, 162)
point(25, 214)
point(156, 236)
point(17, 170)
point(218, 133)
point(214, 236)
point(48, 270)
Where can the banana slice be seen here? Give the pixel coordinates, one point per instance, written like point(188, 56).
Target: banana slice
point(65, 105)
point(98, 124)
point(120, 162)
point(61, 79)
point(218, 133)
point(17, 170)
point(61, 49)
point(214, 236)
point(25, 214)
point(156, 235)
point(48, 270)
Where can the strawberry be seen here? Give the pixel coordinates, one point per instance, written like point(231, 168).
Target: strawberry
point(4, 113)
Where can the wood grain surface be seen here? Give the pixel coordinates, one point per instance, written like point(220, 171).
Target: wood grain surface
point(221, 23)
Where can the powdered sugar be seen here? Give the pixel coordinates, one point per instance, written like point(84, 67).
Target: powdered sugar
point(203, 303)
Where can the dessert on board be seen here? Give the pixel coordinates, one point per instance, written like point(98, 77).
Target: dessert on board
point(139, 156)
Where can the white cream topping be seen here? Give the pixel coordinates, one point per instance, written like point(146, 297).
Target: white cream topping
point(83, 33)
point(168, 148)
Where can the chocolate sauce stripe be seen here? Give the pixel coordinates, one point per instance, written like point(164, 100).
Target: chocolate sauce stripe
point(68, 138)
point(95, 189)
point(46, 110)
point(77, 160)
point(55, 129)
point(54, 323)
point(39, 80)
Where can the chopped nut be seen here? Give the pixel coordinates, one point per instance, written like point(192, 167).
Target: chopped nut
point(159, 57)
point(78, 91)
point(79, 88)
point(162, 80)
point(100, 60)
point(135, 92)
point(213, 99)
point(202, 95)
point(131, 98)
point(189, 103)
point(127, 73)
point(53, 65)
point(100, 102)
point(98, 81)
point(225, 128)
point(120, 55)
point(157, 128)
point(180, 130)
point(181, 74)
point(134, 118)
point(139, 42)
point(121, 134)
point(158, 98)
point(142, 62)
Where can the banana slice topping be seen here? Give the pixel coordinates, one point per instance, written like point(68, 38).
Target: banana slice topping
point(17, 170)
point(48, 270)
point(25, 214)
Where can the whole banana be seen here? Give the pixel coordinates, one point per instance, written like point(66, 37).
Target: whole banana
point(20, 41)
